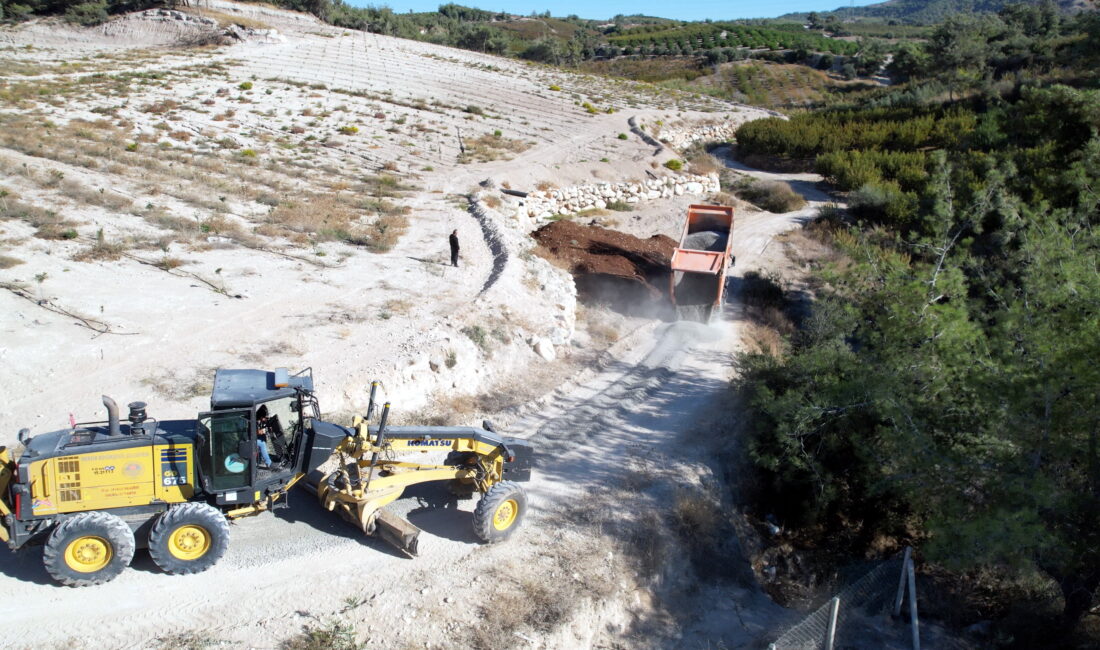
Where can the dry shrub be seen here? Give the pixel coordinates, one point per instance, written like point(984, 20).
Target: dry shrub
point(161, 107)
point(100, 251)
point(383, 207)
point(697, 516)
point(226, 19)
point(398, 306)
point(545, 186)
point(49, 224)
point(762, 340)
point(491, 147)
point(383, 186)
point(58, 230)
point(766, 302)
point(101, 197)
point(492, 201)
point(204, 38)
point(315, 214)
point(182, 136)
point(7, 261)
point(725, 198)
point(383, 234)
point(168, 263)
point(525, 601)
point(220, 224)
point(603, 334)
point(773, 196)
point(704, 164)
point(162, 219)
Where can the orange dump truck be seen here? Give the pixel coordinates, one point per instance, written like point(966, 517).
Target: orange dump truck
point(700, 263)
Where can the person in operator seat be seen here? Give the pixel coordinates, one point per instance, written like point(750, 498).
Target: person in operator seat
point(263, 428)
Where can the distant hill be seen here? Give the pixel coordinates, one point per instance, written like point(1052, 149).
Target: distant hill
point(931, 11)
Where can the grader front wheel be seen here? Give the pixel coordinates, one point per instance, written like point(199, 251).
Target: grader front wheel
point(500, 512)
point(188, 538)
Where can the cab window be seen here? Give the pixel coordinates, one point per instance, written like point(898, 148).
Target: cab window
point(223, 465)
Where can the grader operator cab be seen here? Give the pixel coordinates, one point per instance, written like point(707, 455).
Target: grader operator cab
point(95, 492)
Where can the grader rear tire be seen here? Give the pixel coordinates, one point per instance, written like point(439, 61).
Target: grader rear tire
point(500, 512)
point(89, 548)
point(189, 538)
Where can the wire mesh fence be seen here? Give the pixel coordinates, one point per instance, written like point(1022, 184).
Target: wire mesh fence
point(871, 594)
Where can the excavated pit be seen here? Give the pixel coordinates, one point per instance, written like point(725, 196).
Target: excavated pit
point(628, 274)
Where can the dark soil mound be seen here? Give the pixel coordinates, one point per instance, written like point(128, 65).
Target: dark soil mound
point(611, 267)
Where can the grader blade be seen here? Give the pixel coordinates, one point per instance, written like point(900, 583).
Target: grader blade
point(397, 531)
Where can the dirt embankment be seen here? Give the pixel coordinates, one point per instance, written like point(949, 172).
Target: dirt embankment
point(611, 267)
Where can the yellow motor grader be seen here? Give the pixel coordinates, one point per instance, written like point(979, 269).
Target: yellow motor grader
point(93, 493)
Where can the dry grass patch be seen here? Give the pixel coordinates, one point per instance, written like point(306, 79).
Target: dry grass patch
point(7, 261)
point(326, 216)
point(77, 191)
point(526, 600)
point(161, 107)
point(327, 635)
point(49, 224)
point(491, 147)
point(384, 186)
point(382, 234)
point(180, 387)
point(101, 251)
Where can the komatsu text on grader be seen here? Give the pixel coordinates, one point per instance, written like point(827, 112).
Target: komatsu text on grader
point(93, 493)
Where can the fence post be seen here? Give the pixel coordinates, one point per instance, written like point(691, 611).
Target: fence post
point(913, 606)
point(830, 634)
point(901, 583)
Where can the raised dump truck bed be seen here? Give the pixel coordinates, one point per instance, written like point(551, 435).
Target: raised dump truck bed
point(700, 263)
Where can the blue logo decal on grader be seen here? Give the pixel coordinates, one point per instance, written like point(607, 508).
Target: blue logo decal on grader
point(90, 529)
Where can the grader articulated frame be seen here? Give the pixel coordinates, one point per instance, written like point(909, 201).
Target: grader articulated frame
point(367, 477)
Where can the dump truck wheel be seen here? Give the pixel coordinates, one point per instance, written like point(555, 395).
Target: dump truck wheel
point(89, 548)
point(500, 512)
point(189, 538)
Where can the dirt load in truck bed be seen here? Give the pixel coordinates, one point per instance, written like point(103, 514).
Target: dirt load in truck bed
point(610, 266)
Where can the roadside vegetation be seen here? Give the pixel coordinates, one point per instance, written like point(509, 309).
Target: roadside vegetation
point(942, 389)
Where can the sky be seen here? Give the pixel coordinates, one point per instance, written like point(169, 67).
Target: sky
point(681, 10)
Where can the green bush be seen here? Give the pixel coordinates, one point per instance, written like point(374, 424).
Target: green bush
point(247, 85)
point(623, 136)
point(674, 165)
point(349, 130)
point(886, 203)
point(87, 14)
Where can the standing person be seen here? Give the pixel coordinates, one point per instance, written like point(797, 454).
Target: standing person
point(263, 428)
point(454, 247)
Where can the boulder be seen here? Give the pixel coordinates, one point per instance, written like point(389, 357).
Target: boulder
point(545, 349)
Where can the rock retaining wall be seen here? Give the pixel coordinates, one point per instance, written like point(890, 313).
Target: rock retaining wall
point(571, 200)
point(681, 138)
